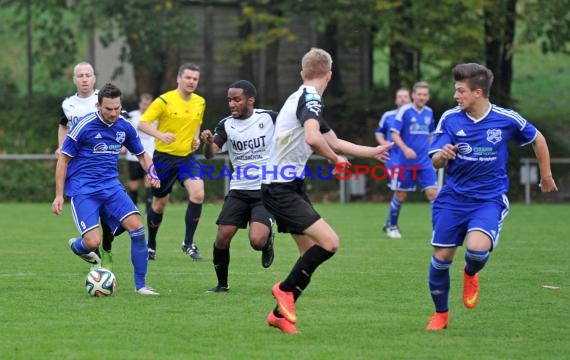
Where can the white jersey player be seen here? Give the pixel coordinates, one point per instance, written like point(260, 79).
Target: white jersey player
point(83, 102)
point(136, 173)
point(248, 135)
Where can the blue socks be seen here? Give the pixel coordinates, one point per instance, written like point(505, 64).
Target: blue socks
point(139, 256)
point(394, 213)
point(78, 246)
point(475, 261)
point(439, 283)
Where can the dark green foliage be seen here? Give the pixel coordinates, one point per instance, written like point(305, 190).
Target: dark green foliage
point(29, 126)
point(548, 22)
point(27, 181)
point(153, 33)
point(56, 41)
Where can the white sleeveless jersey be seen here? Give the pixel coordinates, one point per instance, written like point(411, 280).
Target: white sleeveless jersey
point(146, 140)
point(74, 108)
point(290, 151)
point(248, 142)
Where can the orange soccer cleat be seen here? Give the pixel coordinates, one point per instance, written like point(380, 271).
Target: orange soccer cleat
point(471, 290)
point(438, 321)
point(281, 324)
point(285, 303)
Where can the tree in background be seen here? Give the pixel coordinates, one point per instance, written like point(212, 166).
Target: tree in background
point(500, 25)
point(548, 22)
point(262, 26)
point(154, 33)
point(424, 39)
point(49, 44)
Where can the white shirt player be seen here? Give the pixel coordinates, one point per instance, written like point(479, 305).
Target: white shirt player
point(74, 108)
point(248, 142)
point(290, 151)
point(146, 140)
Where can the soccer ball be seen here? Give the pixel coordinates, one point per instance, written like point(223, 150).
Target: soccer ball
point(100, 282)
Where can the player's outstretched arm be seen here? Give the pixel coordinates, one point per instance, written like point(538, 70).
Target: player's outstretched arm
point(341, 146)
point(542, 154)
point(318, 142)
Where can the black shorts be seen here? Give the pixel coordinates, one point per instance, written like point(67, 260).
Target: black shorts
point(289, 204)
point(136, 172)
point(171, 168)
point(243, 206)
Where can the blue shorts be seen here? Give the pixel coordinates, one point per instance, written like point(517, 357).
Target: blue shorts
point(405, 178)
point(171, 168)
point(112, 206)
point(453, 216)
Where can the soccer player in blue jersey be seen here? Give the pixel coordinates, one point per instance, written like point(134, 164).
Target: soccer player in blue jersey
point(471, 142)
point(73, 108)
point(384, 135)
point(87, 171)
point(411, 130)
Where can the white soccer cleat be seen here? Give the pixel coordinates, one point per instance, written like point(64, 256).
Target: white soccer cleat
point(147, 290)
point(393, 232)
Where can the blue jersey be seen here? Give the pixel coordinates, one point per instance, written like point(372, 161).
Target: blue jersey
point(415, 128)
point(480, 169)
point(385, 123)
point(94, 147)
point(384, 126)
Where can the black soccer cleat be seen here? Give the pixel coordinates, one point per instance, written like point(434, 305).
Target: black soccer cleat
point(192, 251)
point(267, 253)
point(219, 289)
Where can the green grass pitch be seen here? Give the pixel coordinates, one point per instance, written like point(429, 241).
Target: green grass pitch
point(370, 301)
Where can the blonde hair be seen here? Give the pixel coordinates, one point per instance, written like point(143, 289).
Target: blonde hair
point(316, 64)
point(420, 85)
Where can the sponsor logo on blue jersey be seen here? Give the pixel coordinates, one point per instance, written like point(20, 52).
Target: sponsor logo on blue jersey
point(464, 148)
point(102, 148)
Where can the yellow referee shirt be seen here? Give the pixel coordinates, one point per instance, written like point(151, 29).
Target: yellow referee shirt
point(179, 117)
